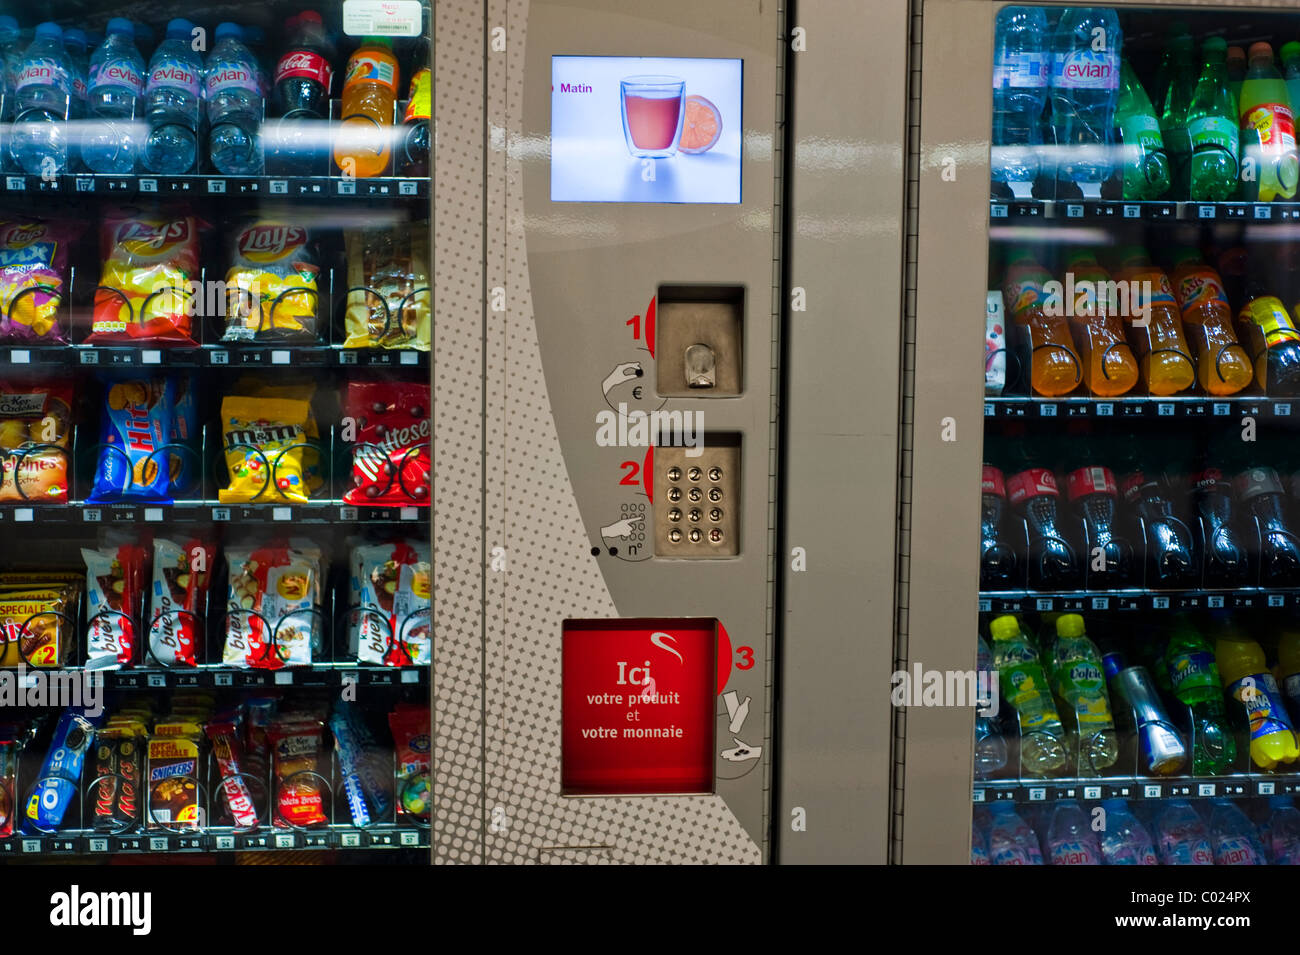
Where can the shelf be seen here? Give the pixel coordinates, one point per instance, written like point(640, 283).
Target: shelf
point(303, 187)
point(280, 355)
point(1174, 787)
point(271, 840)
point(1241, 598)
point(223, 677)
point(1022, 210)
point(1192, 406)
point(322, 512)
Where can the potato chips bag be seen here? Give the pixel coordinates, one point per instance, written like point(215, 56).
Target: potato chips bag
point(35, 424)
point(145, 291)
point(264, 441)
point(271, 287)
point(33, 260)
point(388, 303)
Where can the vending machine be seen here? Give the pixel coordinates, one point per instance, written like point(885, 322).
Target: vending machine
point(1118, 604)
point(215, 287)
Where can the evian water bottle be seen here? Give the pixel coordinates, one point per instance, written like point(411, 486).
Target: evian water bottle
point(1021, 57)
point(43, 94)
point(234, 104)
point(1085, 87)
point(172, 103)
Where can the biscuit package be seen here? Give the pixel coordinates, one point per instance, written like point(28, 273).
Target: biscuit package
point(272, 285)
point(392, 584)
point(114, 592)
point(297, 741)
point(273, 614)
point(137, 425)
point(35, 433)
point(388, 288)
point(178, 599)
point(59, 777)
point(390, 458)
point(146, 291)
point(265, 443)
point(33, 263)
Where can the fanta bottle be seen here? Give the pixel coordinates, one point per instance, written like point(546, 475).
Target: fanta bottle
point(1109, 367)
point(1223, 367)
point(1153, 325)
point(1270, 166)
point(1055, 368)
point(1248, 681)
point(363, 143)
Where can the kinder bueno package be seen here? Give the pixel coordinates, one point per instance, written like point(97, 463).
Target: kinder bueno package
point(33, 263)
point(115, 574)
point(146, 290)
point(137, 424)
point(273, 618)
point(390, 459)
point(178, 599)
point(392, 584)
point(271, 287)
point(35, 435)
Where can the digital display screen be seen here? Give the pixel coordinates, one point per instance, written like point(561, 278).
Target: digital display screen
point(645, 129)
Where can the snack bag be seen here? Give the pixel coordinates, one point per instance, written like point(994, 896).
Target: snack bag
point(33, 261)
point(271, 287)
point(297, 390)
point(35, 429)
point(272, 607)
point(59, 778)
point(393, 584)
point(185, 432)
point(366, 774)
point(391, 460)
point(182, 570)
point(296, 744)
point(410, 726)
point(114, 594)
point(264, 440)
point(136, 425)
point(388, 282)
point(146, 290)
point(36, 623)
point(14, 738)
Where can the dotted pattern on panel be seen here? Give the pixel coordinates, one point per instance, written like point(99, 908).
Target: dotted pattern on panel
point(458, 389)
point(552, 576)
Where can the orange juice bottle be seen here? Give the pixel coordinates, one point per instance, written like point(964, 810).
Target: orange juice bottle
point(1153, 324)
point(1055, 368)
point(363, 141)
point(1223, 367)
point(1109, 367)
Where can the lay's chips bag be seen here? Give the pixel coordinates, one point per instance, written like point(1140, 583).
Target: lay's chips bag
point(271, 287)
point(145, 291)
point(33, 261)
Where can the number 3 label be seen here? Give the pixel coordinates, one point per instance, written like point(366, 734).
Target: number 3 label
point(745, 654)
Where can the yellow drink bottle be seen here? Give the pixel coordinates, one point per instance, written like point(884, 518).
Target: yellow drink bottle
point(1248, 681)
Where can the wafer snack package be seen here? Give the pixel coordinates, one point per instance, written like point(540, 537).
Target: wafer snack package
point(137, 424)
point(226, 738)
point(388, 304)
point(265, 445)
point(391, 459)
point(147, 288)
point(178, 599)
point(35, 437)
point(33, 263)
point(115, 578)
point(272, 606)
point(393, 587)
point(272, 285)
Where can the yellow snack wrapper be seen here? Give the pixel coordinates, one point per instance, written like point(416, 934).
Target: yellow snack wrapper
point(34, 634)
point(388, 304)
point(264, 441)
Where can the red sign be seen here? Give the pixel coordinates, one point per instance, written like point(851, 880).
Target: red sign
point(639, 706)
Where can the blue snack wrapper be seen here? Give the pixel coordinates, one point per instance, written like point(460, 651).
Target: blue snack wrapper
point(138, 422)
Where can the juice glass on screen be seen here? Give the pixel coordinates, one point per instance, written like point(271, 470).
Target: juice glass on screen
point(1223, 367)
point(1109, 367)
point(1055, 368)
point(363, 142)
point(1166, 360)
point(652, 114)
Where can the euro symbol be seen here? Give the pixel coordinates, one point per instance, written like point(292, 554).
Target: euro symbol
point(636, 392)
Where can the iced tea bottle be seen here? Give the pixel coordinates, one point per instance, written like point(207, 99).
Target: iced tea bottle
point(363, 141)
point(1055, 368)
point(1223, 367)
point(1109, 367)
point(1153, 325)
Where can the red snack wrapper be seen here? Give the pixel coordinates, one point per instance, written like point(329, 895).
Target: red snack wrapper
point(145, 291)
point(35, 430)
point(182, 570)
point(410, 726)
point(296, 748)
point(114, 592)
point(391, 460)
point(229, 751)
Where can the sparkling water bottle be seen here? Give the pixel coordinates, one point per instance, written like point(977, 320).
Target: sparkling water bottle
point(234, 105)
point(115, 132)
point(43, 101)
point(1085, 86)
point(1020, 61)
point(172, 93)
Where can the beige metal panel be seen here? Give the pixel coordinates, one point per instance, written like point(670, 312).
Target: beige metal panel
point(845, 249)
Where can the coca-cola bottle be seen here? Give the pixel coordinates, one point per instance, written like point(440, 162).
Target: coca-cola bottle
point(300, 100)
point(1226, 551)
point(1260, 491)
point(1152, 493)
point(1093, 493)
point(1053, 560)
point(999, 564)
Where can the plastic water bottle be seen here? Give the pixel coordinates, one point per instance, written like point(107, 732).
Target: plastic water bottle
point(1233, 836)
point(1282, 833)
point(990, 744)
point(1124, 840)
point(113, 138)
point(1020, 62)
point(234, 105)
point(11, 53)
point(1085, 86)
point(171, 96)
point(43, 100)
point(1080, 684)
point(1070, 839)
point(255, 40)
point(1182, 836)
point(979, 838)
point(1011, 841)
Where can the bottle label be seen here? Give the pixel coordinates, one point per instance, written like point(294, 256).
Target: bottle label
point(1189, 672)
point(418, 106)
point(1141, 129)
point(1134, 853)
point(1262, 699)
point(1235, 850)
point(993, 482)
point(1073, 853)
point(1020, 71)
point(117, 73)
point(1010, 854)
point(1033, 482)
point(1082, 682)
point(1090, 480)
point(1197, 288)
point(304, 64)
point(43, 72)
point(1086, 70)
point(1184, 846)
point(176, 75)
point(1142, 278)
point(371, 68)
point(1213, 134)
point(1257, 481)
point(231, 76)
point(1273, 124)
point(1271, 316)
point(1023, 287)
point(1207, 479)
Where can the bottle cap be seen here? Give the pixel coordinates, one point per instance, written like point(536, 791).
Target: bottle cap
point(1217, 46)
point(309, 16)
point(178, 28)
point(49, 31)
point(1004, 627)
point(120, 25)
point(74, 37)
point(228, 30)
point(8, 24)
point(1236, 53)
point(1261, 50)
point(1289, 51)
point(1069, 625)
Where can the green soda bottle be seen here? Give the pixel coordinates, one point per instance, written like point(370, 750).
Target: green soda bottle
point(1024, 686)
point(1080, 684)
point(1289, 57)
point(1146, 167)
point(1194, 678)
point(1212, 126)
point(1173, 120)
